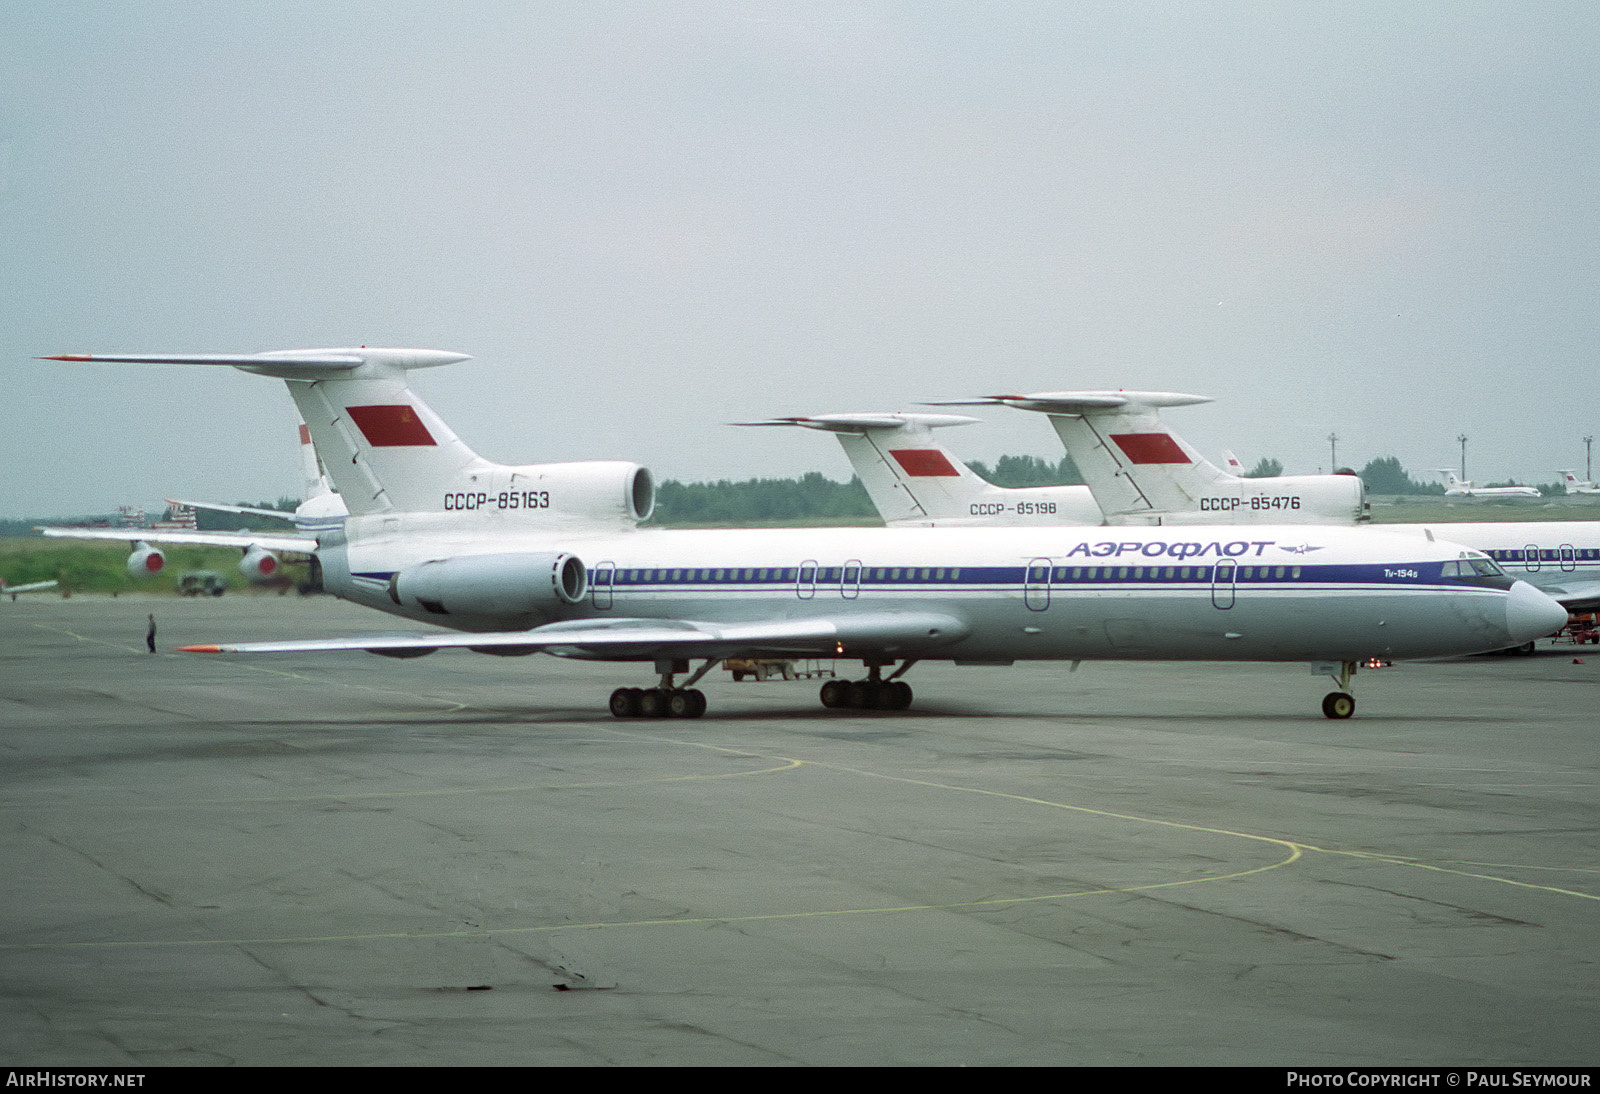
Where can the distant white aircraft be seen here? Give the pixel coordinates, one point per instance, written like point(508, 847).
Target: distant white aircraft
point(322, 511)
point(1458, 488)
point(1576, 485)
point(551, 558)
point(33, 587)
point(915, 481)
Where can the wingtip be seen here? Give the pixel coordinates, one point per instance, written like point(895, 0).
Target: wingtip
point(199, 649)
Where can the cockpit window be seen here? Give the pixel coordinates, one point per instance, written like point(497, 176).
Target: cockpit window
point(1476, 570)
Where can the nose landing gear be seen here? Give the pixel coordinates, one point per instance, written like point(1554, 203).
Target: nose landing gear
point(1338, 704)
point(1341, 704)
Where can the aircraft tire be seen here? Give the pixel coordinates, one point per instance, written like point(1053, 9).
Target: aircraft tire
point(686, 704)
point(1338, 704)
point(833, 694)
point(653, 703)
point(625, 703)
point(899, 695)
point(859, 694)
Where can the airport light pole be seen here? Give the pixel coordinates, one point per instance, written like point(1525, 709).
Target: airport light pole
point(1588, 463)
point(1333, 453)
point(1463, 440)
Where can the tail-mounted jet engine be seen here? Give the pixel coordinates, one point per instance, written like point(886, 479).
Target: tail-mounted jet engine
point(613, 491)
point(515, 587)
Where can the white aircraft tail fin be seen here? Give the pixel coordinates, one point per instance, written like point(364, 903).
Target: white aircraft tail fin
point(387, 452)
point(1141, 472)
point(1231, 462)
point(914, 480)
point(1137, 468)
point(313, 476)
point(385, 449)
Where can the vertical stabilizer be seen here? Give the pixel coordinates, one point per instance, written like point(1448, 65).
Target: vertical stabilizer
point(385, 449)
point(1137, 468)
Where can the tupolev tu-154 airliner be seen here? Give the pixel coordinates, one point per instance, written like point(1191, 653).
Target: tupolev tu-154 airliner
point(551, 558)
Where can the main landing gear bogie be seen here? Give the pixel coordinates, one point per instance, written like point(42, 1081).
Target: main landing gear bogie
point(658, 703)
point(668, 700)
point(866, 695)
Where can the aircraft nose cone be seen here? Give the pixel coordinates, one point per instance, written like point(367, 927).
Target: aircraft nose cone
point(1531, 614)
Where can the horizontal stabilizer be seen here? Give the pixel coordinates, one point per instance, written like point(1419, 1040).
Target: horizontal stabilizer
point(864, 423)
point(290, 364)
point(1084, 402)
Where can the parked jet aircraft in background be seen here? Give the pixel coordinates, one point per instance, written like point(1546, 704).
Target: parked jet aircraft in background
point(1576, 485)
point(550, 557)
point(1458, 488)
point(32, 587)
point(1142, 473)
point(913, 480)
point(321, 511)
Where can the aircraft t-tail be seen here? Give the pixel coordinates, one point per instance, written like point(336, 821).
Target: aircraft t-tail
point(913, 480)
point(1140, 472)
point(552, 558)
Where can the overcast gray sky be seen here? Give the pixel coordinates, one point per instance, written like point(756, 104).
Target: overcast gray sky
point(648, 219)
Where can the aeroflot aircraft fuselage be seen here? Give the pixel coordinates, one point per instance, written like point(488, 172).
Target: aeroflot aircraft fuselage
point(1259, 593)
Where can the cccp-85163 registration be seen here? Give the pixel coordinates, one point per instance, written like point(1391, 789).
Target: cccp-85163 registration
point(505, 500)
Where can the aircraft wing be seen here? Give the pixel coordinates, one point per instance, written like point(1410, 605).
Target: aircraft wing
point(31, 587)
point(1575, 596)
point(642, 639)
point(269, 541)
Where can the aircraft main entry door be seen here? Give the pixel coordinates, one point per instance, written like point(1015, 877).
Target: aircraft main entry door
point(1222, 585)
point(1036, 585)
